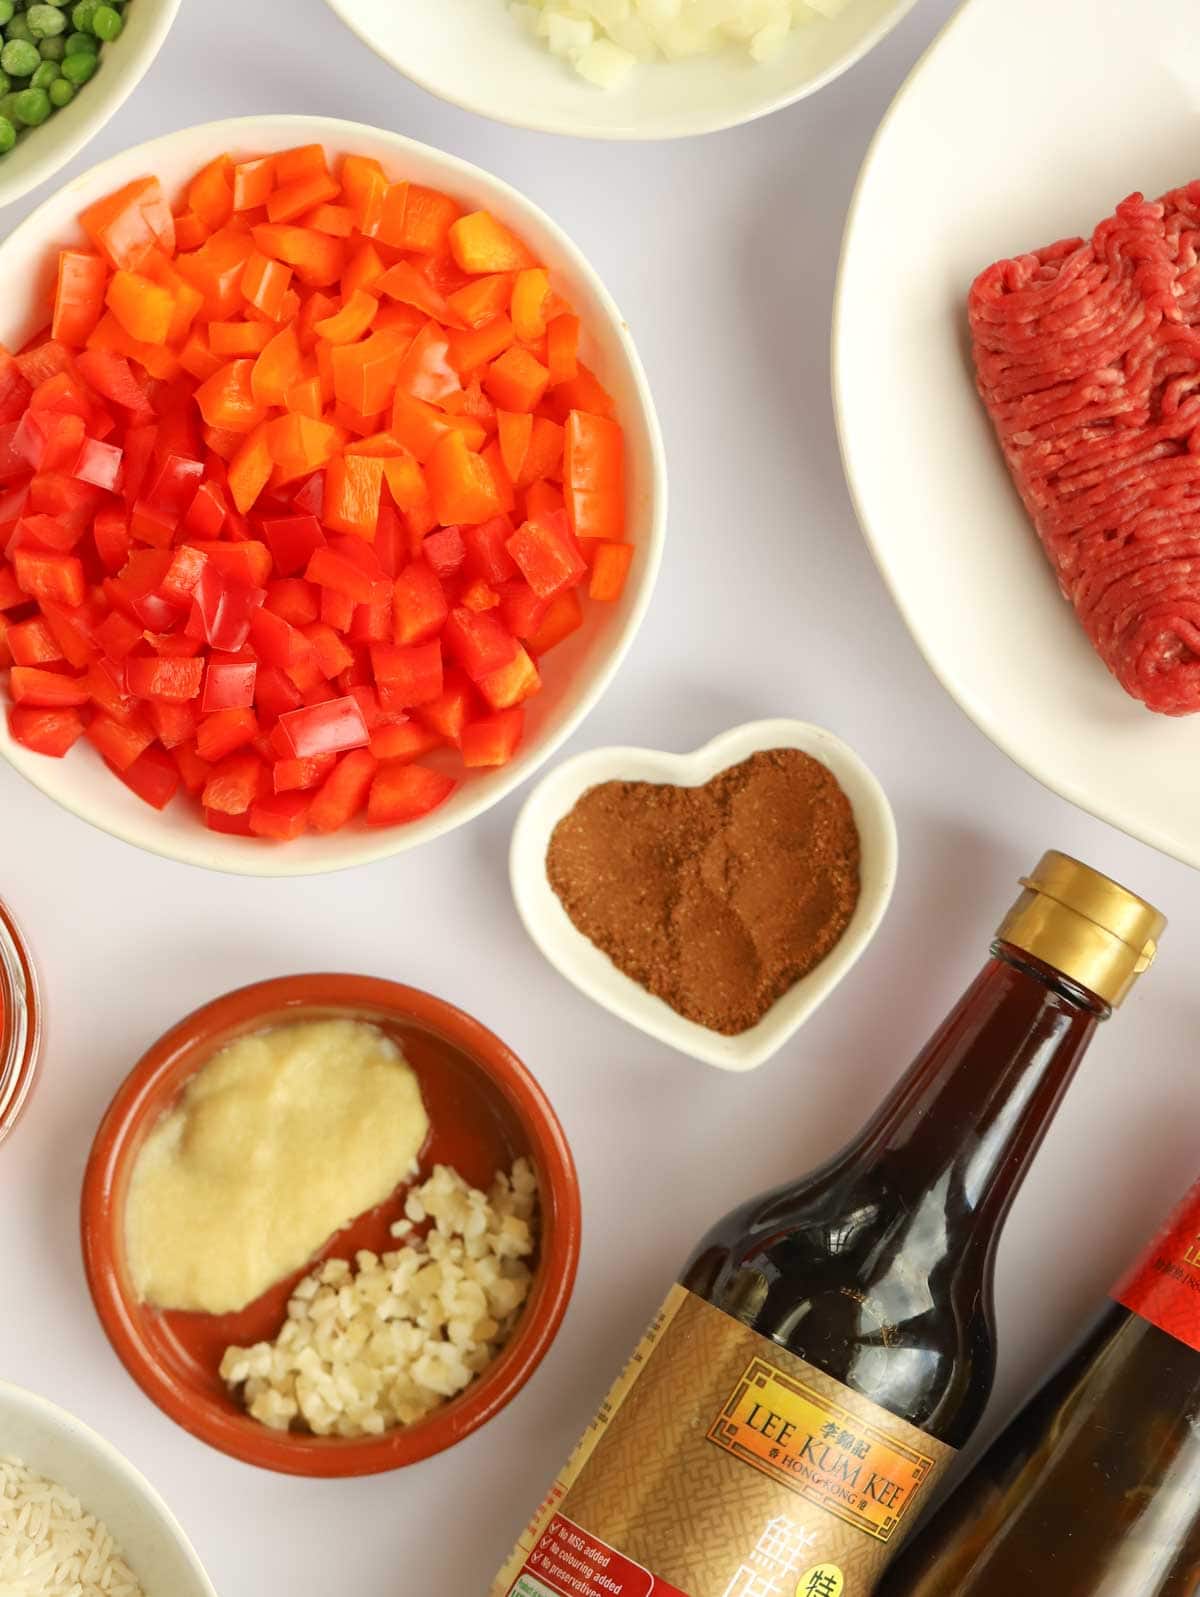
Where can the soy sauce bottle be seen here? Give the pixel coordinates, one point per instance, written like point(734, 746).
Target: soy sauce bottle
point(830, 1345)
point(1093, 1490)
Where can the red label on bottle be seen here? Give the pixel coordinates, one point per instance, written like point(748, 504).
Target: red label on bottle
point(1164, 1287)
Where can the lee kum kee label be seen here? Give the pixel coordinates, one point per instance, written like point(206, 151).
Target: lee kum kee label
point(720, 1465)
point(1164, 1287)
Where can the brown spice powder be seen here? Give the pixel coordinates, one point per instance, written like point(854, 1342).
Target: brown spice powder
point(719, 898)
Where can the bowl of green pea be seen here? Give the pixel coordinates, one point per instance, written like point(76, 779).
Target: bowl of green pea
point(65, 68)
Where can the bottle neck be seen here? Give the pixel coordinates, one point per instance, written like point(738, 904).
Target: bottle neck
point(968, 1117)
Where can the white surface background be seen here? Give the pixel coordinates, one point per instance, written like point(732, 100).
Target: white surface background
point(722, 253)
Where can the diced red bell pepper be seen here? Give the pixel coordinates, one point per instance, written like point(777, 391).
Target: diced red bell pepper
point(50, 576)
point(281, 816)
point(548, 555)
point(117, 635)
point(205, 515)
point(294, 600)
point(445, 551)
point(564, 616)
point(448, 714)
point(328, 728)
point(234, 825)
point(487, 553)
point(228, 683)
point(175, 680)
point(221, 610)
point(521, 610)
point(329, 568)
point(419, 605)
point(32, 643)
point(493, 740)
point(407, 740)
point(333, 654)
point(105, 682)
point(99, 464)
point(31, 684)
point(478, 642)
point(224, 731)
point(153, 776)
point(45, 731)
point(174, 724)
point(344, 791)
point(193, 771)
point(290, 776)
point(112, 377)
point(235, 783)
point(402, 792)
point(512, 683)
point(74, 631)
point(292, 540)
point(407, 674)
point(119, 742)
point(371, 623)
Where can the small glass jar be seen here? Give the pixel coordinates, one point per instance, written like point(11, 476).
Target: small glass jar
point(20, 1022)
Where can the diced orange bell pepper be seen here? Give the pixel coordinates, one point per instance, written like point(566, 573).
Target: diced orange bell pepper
point(190, 231)
point(265, 283)
point(426, 371)
point(479, 243)
point(428, 218)
point(482, 299)
point(564, 616)
point(530, 297)
point(239, 338)
point(127, 225)
point(585, 392)
point(291, 199)
point(305, 397)
point(391, 217)
point(405, 480)
point(216, 270)
point(516, 380)
point(460, 483)
point(78, 296)
point(562, 349)
point(252, 183)
point(594, 477)
point(337, 220)
point(210, 193)
point(227, 400)
point(300, 445)
point(187, 299)
point(403, 282)
point(303, 160)
point(610, 567)
point(364, 187)
point(279, 365)
point(514, 431)
point(352, 487)
point(420, 427)
point(544, 456)
point(317, 258)
point(479, 345)
point(250, 469)
point(348, 325)
point(364, 268)
point(364, 374)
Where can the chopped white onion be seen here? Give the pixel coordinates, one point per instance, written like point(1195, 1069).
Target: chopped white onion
point(604, 39)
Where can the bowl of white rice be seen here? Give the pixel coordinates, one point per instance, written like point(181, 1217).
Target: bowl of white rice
point(76, 1519)
point(622, 69)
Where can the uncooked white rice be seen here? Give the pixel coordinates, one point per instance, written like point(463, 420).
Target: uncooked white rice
point(50, 1546)
point(381, 1345)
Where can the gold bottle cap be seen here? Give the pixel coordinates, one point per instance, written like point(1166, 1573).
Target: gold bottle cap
point(1084, 924)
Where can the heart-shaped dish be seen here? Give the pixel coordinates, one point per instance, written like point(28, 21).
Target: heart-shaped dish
point(581, 962)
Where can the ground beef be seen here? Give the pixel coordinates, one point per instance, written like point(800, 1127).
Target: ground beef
point(1087, 355)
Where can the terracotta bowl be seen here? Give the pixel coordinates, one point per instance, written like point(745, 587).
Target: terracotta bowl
point(486, 1110)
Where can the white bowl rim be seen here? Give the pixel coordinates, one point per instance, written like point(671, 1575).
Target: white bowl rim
point(262, 859)
point(557, 790)
point(60, 151)
point(114, 1460)
point(693, 127)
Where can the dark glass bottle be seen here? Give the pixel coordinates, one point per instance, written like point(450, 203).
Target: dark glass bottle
point(834, 1339)
point(1093, 1490)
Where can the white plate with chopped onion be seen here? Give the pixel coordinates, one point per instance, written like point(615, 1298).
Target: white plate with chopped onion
point(622, 69)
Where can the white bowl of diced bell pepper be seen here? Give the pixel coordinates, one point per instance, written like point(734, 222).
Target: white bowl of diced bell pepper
point(573, 676)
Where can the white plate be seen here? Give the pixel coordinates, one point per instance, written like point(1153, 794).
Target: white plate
point(1026, 122)
point(474, 54)
point(581, 962)
point(579, 670)
point(55, 1444)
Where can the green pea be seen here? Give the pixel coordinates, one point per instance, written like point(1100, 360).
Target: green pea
point(18, 28)
point(61, 92)
point(45, 21)
point(8, 106)
point(53, 49)
point(106, 24)
point(44, 76)
point(6, 10)
point(82, 44)
point(32, 107)
point(77, 69)
point(82, 13)
point(5, 84)
point(19, 58)
point(8, 135)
